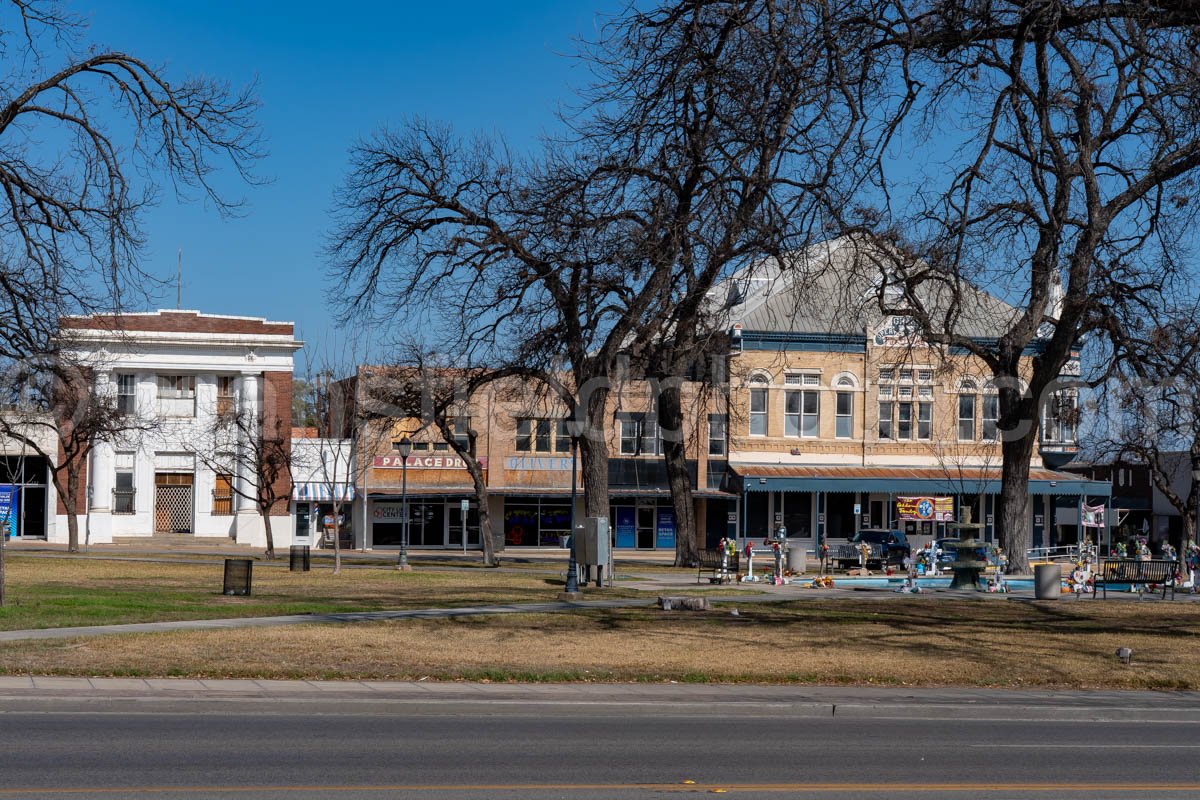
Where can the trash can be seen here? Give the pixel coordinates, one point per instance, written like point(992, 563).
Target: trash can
point(300, 558)
point(797, 560)
point(237, 576)
point(1047, 581)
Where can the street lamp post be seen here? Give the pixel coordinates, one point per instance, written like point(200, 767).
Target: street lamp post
point(572, 566)
point(404, 447)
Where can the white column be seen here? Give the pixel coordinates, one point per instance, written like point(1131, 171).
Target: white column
point(248, 526)
point(101, 473)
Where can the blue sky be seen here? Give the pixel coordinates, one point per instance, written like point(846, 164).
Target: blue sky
point(328, 75)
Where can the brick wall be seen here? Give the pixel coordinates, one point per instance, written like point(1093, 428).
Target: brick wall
point(277, 420)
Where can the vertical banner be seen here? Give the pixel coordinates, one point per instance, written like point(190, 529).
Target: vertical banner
point(626, 526)
point(664, 532)
point(1093, 516)
point(8, 510)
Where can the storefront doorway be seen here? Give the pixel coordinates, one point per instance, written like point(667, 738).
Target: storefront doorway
point(431, 523)
point(23, 497)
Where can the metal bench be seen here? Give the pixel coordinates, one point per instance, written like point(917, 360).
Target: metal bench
point(1136, 572)
point(721, 566)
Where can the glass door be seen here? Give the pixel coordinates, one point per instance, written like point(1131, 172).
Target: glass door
point(645, 527)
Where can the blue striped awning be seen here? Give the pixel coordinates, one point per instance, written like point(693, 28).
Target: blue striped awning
point(323, 492)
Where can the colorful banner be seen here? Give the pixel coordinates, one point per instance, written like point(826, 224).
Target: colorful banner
point(1093, 517)
point(925, 509)
point(8, 510)
point(626, 526)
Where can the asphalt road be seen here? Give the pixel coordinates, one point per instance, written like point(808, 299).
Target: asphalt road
point(527, 747)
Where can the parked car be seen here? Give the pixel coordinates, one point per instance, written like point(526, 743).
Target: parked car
point(888, 548)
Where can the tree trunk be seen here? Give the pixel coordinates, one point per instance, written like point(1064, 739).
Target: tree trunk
point(337, 536)
point(265, 510)
point(670, 420)
point(1015, 531)
point(593, 455)
point(485, 521)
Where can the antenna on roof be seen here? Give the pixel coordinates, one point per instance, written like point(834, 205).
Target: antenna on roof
point(179, 281)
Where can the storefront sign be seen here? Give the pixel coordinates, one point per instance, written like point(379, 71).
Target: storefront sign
point(426, 462)
point(664, 534)
point(925, 509)
point(388, 512)
point(538, 463)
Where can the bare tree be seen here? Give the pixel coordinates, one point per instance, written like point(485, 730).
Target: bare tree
point(1055, 148)
point(691, 153)
point(256, 450)
point(438, 391)
point(86, 136)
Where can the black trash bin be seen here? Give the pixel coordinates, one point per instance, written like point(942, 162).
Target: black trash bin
point(301, 559)
point(237, 576)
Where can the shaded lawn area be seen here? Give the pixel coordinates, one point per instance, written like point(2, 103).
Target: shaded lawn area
point(60, 592)
point(911, 642)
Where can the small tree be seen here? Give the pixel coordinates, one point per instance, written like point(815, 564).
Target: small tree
point(429, 389)
point(258, 453)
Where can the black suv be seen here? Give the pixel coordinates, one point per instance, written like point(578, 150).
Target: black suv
point(887, 548)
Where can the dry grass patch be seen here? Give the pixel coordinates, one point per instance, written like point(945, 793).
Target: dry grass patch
point(918, 641)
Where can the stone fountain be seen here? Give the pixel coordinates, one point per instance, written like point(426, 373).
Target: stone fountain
point(966, 565)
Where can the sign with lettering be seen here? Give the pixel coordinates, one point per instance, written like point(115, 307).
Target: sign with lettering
point(445, 461)
point(664, 532)
point(925, 509)
point(538, 463)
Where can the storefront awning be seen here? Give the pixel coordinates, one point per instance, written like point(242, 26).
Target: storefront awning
point(322, 492)
point(905, 480)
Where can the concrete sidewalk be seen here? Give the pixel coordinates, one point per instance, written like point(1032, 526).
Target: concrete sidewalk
point(793, 700)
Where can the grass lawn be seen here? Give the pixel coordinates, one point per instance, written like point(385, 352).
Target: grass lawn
point(60, 592)
point(913, 642)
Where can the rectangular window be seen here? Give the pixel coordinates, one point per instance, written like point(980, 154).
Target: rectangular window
point(906, 392)
point(791, 413)
point(924, 391)
point(906, 375)
point(177, 395)
point(123, 489)
point(629, 435)
point(885, 391)
point(793, 380)
point(651, 441)
point(524, 435)
point(440, 447)
point(422, 446)
point(924, 375)
point(904, 421)
point(717, 424)
point(225, 402)
point(461, 427)
point(885, 420)
point(925, 421)
point(991, 417)
point(126, 394)
point(966, 417)
point(810, 424)
point(222, 495)
point(812, 380)
point(844, 415)
point(758, 412)
point(887, 374)
point(562, 437)
point(542, 441)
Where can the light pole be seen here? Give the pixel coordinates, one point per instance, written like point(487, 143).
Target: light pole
point(572, 587)
point(404, 447)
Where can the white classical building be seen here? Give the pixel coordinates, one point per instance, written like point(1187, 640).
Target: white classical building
point(177, 372)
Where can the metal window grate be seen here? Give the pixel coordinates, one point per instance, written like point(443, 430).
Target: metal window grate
point(173, 509)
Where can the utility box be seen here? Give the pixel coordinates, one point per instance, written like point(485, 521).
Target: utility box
point(593, 542)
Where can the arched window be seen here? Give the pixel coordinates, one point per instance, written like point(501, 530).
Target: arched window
point(758, 403)
point(844, 410)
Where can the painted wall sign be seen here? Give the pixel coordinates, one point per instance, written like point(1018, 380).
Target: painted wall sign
point(426, 462)
point(925, 509)
point(8, 510)
point(538, 463)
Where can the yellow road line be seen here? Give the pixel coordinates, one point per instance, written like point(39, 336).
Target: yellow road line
point(802, 788)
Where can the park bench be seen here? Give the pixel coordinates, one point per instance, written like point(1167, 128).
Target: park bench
point(1137, 573)
point(721, 568)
